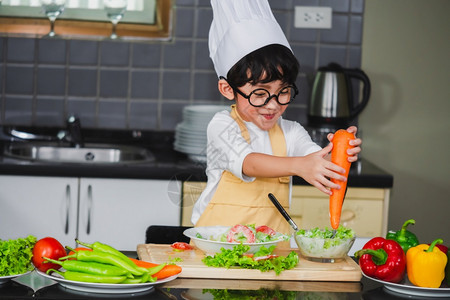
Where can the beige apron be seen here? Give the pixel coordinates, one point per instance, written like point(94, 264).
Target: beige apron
point(239, 202)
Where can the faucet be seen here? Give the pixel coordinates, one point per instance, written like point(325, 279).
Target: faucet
point(74, 130)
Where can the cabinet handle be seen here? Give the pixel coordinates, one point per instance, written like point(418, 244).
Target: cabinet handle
point(66, 227)
point(89, 205)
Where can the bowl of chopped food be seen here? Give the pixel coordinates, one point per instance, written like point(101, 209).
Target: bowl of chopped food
point(210, 239)
point(320, 245)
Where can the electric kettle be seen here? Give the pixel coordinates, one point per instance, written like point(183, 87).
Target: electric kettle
point(332, 98)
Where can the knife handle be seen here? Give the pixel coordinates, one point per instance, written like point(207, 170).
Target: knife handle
point(282, 211)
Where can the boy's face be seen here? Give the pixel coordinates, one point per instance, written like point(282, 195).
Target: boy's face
point(264, 117)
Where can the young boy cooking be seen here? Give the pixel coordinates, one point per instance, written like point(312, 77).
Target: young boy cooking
point(252, 151)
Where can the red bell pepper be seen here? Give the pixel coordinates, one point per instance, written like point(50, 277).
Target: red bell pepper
point(382, 259)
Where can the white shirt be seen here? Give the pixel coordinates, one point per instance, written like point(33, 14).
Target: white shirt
point(226, 150)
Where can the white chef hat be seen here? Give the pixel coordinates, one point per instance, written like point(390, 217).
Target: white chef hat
point(240, 27)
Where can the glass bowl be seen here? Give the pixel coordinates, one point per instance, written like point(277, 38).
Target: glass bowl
point(324, 249)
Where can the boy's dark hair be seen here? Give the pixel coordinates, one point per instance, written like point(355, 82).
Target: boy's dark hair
point(266, 64)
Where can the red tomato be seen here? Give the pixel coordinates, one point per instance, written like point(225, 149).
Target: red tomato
point(265, 229)
point(238, 231)
point(181, 246)
point(47, 247)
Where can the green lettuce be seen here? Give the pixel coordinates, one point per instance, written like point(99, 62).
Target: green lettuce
point(15, 255)
point(236, 258)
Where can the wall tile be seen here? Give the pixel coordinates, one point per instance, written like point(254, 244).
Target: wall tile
point(114, 83)
point(19, 80)
point(184, 22)
point(357, 6)
point(202, 59)
point(82, 82)
point(143, 115)
point(2, 52)
point(51, 81)
point(52, 51)
point(83, 52)
point(20, 50)
point(111, 114)
point(339, 31)
point(171, 115)
point(306, 55)
point(49, 112)
point(205, 87)
point(85, 109)
point(177, 55)
point(146, 55)
point(356, 23)
point(204, 19)
point(114, 53)
point(19, 110)
point(335, 54)
point(176, 85)
point(336, 5)
point(145, 84)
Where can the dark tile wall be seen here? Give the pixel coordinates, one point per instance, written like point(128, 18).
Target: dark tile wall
point(136, 85)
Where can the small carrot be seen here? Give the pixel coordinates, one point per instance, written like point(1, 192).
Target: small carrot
point(339, 157)
point(167, 271)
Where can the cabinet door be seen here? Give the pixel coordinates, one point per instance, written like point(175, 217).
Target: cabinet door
point(40, 206)
point(363, 210)
point(118, 211)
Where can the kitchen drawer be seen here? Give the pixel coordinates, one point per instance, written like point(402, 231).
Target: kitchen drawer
point(364, 210)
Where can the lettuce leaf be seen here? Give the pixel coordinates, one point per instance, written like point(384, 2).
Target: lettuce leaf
point(235, 258)
point(15, 255)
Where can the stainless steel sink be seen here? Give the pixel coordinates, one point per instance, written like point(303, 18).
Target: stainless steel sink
point(90, 153)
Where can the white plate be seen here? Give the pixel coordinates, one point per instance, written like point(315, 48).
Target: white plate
point(5, 279)
point(211, 247)
point(105, 288)
point(409, 289)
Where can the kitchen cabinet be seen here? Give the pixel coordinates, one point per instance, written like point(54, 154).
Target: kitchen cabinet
point(365, 209)
point(113, 211)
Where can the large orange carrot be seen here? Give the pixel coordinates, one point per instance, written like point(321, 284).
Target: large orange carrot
point(167, 271)
point(339, 156)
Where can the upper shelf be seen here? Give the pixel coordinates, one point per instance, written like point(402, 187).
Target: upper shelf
point(144, 22)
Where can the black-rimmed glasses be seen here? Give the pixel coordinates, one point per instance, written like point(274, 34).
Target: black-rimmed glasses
point(260, 97)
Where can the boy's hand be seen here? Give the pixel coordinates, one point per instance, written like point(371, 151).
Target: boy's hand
point(356, 143)
point(317, 170)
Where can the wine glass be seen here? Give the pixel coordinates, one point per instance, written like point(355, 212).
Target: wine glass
point(52, 9)
point(115, 9)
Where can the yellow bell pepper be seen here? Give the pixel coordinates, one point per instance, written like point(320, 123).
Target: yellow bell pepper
point(425, 265)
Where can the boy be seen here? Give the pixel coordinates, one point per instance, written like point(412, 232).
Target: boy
point(253, 151)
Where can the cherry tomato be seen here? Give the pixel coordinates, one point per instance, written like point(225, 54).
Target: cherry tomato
point(239, 232)
point(265, 229)
point(47, 247)
point(181, 246)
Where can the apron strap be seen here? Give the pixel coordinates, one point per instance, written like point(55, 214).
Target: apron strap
point(276, 135)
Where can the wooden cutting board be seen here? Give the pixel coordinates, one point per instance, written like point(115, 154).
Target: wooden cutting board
point(193, 267)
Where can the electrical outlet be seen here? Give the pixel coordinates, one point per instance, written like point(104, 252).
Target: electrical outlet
point(312, 17)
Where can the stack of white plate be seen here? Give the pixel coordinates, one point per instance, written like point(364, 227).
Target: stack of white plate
point(190, 134)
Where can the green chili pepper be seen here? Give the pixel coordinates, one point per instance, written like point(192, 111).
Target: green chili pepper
point(155, 269)
point(93, 268)
point(104, 258)
point(97, 246)
point(404, 237)
point(140, 279)
point(85, 277)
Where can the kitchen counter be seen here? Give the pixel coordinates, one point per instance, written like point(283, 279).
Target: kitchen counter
point(196, 289)
point(168, 165)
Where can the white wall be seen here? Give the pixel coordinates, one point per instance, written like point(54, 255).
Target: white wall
point(406, 125)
